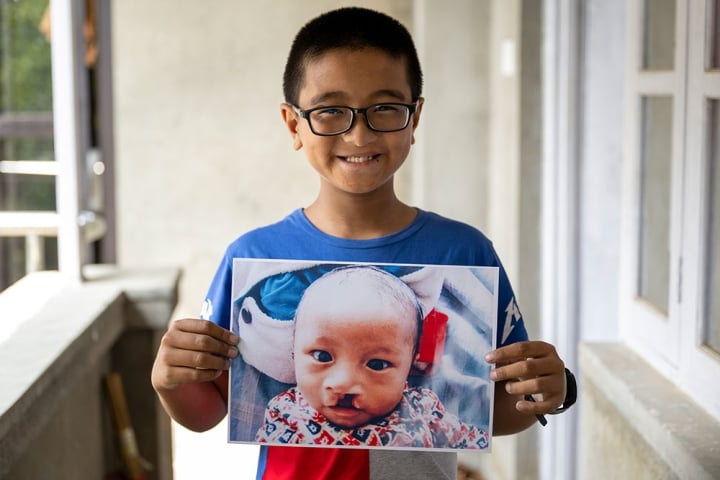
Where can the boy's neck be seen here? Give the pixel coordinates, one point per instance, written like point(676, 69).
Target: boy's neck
point(360, 219)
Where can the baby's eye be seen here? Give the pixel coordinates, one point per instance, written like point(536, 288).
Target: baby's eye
point(321, 356)
point(378, 364)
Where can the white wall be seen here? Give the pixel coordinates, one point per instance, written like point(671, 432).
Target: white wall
point(202, 154)
point(601, 170)
point(450, 163)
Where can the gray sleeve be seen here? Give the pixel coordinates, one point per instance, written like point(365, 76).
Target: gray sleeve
point(420, 465)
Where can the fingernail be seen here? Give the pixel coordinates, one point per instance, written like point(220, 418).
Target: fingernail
point(234, 339)
point(490, 357)
point(493, 375)
point(232, 352)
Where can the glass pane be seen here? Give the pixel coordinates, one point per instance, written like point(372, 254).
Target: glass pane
point(25, 122)
point(659, 35)
point(27, 193)
point(656, 165)
point(712, 33)
point(25, 75)
point(26, 149)
point(712, 274)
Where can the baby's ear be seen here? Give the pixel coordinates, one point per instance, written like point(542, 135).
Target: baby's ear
point(292, 120)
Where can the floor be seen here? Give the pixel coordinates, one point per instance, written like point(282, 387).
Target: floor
point(208, 455)
point(465, 474)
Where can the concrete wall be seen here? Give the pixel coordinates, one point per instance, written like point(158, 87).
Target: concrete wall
point(637, 424)
point(619, 451)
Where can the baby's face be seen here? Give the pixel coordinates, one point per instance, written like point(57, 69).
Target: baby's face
point(352, 357)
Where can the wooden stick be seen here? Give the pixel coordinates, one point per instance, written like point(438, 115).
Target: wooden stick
point(123, 428)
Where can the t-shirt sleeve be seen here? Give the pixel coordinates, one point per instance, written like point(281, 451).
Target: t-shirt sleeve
point(510, 323)
point(216, 307)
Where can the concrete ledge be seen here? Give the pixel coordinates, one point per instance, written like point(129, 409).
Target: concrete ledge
point(67, 338)
point(152, 294)
point(684, 436)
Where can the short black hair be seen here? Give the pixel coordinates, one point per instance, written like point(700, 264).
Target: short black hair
point(354, 28)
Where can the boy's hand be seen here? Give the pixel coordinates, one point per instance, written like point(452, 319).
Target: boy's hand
point(192, 351)
point(533, 368)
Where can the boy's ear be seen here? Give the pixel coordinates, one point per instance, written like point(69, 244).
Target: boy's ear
point(416, 116)
point(292, 121)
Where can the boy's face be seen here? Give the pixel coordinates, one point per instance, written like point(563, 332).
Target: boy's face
point(359, 161)
point(353, 355)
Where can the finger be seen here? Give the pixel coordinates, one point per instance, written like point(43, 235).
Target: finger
point(197, 342)
point(546, 387)
point(549, 391)
point(528, 368)
point(205, 327)
point(519, 351)
point(197, 360)
point(175, 376)
point(201, 335)
point(538, 407)
point(174, 367)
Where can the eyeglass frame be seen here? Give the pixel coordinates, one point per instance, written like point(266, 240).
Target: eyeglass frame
point(412, 108)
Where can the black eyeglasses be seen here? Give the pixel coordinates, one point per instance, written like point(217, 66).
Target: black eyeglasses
point(381, 117)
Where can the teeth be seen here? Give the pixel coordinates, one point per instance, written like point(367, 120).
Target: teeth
point(358, 159)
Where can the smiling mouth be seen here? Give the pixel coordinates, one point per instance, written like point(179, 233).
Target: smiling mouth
point(359, 159)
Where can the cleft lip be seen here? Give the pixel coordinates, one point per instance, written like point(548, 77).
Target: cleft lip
point(346, 401)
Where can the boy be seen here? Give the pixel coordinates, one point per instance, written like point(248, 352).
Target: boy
point(357, 335)
point(352, 88)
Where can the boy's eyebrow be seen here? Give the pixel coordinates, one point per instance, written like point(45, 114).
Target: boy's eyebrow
point(338, 96)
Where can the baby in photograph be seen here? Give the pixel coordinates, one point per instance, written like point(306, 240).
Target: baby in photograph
point(357, 330)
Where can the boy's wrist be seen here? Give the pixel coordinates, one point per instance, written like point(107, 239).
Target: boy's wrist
point(570, 393)
point(570, 397)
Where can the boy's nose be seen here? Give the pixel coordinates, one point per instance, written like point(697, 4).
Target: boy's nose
point(359, 133)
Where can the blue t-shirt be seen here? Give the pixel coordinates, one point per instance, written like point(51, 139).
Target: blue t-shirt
point(430, 240)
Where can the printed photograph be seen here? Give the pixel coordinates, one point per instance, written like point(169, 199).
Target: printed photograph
point(362, 355)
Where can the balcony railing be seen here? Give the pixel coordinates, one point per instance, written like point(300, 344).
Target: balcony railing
point(34, 225)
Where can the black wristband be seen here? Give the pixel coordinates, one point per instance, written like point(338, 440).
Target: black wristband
point(570, 393)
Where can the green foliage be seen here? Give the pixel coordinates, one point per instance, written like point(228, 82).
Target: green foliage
point(25, 85)
point(25, 70)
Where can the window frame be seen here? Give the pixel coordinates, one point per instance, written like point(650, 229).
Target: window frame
point(700, 363)
point(84, 220)
point(672, 344)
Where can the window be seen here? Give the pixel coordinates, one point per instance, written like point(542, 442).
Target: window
point(670, 286)
point(27, 156)
point(54, 124)
point(712, 219)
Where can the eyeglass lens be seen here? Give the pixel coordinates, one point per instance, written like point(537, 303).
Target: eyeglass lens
point(383, 118)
